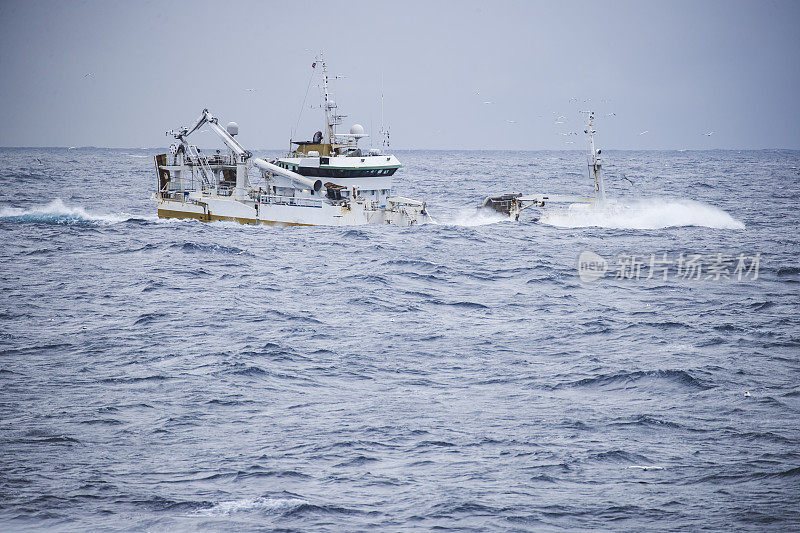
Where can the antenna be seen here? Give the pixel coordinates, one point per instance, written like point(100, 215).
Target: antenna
point(384, 131)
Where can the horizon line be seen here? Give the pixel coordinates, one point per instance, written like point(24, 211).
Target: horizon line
point(432, 149)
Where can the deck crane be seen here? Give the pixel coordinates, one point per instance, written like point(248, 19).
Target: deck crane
point(242, 157)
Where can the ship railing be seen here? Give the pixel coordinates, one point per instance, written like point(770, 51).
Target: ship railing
point(290, 200)
point(199, 159)
point(218, 159)
point(225, 190)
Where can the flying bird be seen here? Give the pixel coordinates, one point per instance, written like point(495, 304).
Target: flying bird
point(611, 114)
point(709, 134)
point(644, 132)
point(511, 121)
point(88, 75)
point(250, 90)
point(487, 102)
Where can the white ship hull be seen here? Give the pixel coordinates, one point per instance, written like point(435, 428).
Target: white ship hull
point(309, 213)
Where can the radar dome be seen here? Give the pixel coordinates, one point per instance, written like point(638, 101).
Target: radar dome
point(233, 128)
point(356, 129)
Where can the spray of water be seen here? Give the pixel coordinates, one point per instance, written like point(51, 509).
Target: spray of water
point(471, 216)
point(651, 213)
point(56, 212)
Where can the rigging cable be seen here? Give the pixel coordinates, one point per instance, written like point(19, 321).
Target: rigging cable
point(302, 107)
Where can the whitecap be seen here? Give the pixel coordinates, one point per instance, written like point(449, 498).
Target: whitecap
point(266, 505)
point(56, 212)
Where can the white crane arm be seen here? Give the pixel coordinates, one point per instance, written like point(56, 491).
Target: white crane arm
point(213, 123)
point(197, 124)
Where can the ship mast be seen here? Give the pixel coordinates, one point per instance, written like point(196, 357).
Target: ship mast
point(332, 119)
point(595, 166)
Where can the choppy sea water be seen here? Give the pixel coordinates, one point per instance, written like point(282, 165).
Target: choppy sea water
point(174, 375)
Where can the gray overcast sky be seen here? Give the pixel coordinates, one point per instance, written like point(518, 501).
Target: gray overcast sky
point(674, 69)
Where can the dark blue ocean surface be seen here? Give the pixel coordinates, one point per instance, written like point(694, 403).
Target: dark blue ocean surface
point(181, 376)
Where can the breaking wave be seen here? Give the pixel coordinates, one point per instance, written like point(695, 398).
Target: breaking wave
point(651, 213)
point(264, 505)
point(56, 212)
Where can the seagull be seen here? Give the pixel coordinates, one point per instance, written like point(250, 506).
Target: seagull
point(569, 142)
point(478, 92)
point(487, 102)
point(558, 122)
point(88, 75)
point(511, 121)
point(747, 394)
point(709, 134)
point(250, 90)
point(611, 114)
point(644, 132)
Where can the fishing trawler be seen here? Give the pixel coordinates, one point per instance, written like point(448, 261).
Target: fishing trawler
point(513, 204)
point(327, 180)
